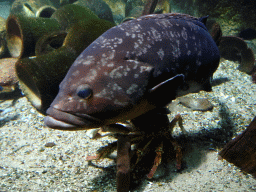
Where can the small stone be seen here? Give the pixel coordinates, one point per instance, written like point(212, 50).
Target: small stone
point(198, 104)
point(8, 75)
point(50, 144)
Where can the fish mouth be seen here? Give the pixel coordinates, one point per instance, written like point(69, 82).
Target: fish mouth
point(57, 119)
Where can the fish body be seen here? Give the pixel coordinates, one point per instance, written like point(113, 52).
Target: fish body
point(133, 68)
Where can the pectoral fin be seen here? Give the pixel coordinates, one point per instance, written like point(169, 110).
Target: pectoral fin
point(163, 93)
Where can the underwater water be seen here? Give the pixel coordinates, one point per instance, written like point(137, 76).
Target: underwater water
point(36, 158)
point(5, 9)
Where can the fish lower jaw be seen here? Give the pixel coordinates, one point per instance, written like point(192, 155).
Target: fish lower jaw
point(62, 120)
point(64, 126)
point(56, 124)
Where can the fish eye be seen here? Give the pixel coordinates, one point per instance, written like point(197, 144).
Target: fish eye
point(84, 91)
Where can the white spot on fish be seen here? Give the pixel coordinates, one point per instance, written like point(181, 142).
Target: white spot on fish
point(110, 65)
point(140, 41)
point(136, 28)
point(127, 69)
point(189, 52)
point(158, 73)
point(136, 45)
point(84, 105)
point(91, 75)
point(198, 63)
point(117, 102)
point(140, 36)
point(118, 40)
point(165, 23)
point(104, 94)
point(127, 54)
point(136, 76)
point(161, 53)
point(88, 60)
point(115, 73)
point(111, 55)
point(178, 42)
point(116, 87)
point(120, 27)
point(76, 73)
point(156, 34)
point(171, 34)
point(184, 33)
point(70, 99)
point(100, 40)
point(79, 60)
point(132, 89)
point(145, 68)
point(104, 59)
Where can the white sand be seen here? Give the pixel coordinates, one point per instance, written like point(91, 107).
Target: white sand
point(27, 165)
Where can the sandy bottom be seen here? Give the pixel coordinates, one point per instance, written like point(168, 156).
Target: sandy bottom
point(35, 158)
point(5, 9)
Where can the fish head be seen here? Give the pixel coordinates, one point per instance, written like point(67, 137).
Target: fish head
point(96, 95)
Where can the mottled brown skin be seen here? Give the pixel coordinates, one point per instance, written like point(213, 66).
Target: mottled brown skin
point(133, 68)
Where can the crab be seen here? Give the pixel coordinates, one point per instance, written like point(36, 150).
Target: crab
point(150, 135)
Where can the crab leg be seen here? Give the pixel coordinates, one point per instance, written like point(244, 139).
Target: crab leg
point(176, 146)
point(103, 152)
point(123, 163)
point(158, 159)
point(178, 119)
point(142, 151)
point(177, 149)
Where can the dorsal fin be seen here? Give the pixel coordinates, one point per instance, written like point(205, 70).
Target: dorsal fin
point(203, 19)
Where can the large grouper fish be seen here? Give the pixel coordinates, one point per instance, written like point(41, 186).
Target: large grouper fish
point(133, 68)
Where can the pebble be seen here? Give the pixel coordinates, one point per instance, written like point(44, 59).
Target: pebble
point(50, 144)
point(198, 104)
point(8, 77)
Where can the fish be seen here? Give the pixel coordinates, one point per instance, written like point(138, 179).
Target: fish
point(133, 68)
